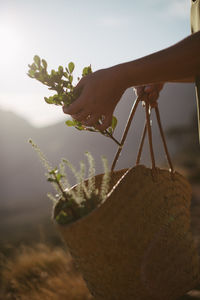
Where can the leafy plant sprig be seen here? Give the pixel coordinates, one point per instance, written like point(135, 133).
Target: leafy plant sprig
point(72, 204)
point(61, 81)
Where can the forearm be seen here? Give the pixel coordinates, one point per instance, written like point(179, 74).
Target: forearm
point(185, 80)
point(179, 62)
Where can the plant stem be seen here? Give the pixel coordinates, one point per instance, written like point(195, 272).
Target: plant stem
point(112, 137)
point(64, 194)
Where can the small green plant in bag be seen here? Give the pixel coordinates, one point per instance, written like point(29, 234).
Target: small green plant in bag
point(72, 204)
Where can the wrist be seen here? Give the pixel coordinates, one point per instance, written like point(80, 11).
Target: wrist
point(120, 76)
point(128, 74)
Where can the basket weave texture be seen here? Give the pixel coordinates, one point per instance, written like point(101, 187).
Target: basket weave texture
point(137, 244)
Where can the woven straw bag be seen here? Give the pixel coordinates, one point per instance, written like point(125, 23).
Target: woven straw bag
point(137, 244)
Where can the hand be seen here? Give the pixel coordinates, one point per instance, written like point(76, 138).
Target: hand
point(151, 90)
point(101, 91)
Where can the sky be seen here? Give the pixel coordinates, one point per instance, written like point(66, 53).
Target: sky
point(101, 33)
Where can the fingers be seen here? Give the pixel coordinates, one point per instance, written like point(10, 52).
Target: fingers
point(98, 122)
point(78, 104)
point(81, 116)
point(152, 97)
point(150, 88)
point(95, 121)
point(152, 91)
point(105, 123)
point(91, 120)
point(74, 108)
point(153, 87)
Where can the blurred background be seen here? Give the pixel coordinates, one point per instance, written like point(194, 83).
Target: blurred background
point(100, 33)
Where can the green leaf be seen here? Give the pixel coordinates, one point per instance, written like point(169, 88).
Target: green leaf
point(54, 171)
point(53, 73)
point(57, 77)
point(110, 130)
point(60, 70)
point(66, 75)
point(114, 122)
point(62, 218)
point(57, 99)
point(65, 83)
point(70, 123)
point(86, 71)
point(51, 179)
point(80, 127)
point(49, 100)
point(31, 73)
point(70, 78)
point(75, 123)
point(44, 63)
point(37, 60)
point(71, 67)
point(59, 176)
point(33, 66)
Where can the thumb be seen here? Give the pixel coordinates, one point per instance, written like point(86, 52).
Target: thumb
point(74, 107)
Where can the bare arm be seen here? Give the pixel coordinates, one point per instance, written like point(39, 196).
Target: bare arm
point(185, 80)
point(103, 89)
point(176, 63)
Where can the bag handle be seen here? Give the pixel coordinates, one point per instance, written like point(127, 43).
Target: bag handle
point(148, 105)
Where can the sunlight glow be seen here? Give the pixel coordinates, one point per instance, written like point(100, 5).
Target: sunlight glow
point(113, 32)
point(11, 43)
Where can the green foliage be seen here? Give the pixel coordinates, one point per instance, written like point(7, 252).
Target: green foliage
point(58, 80)
point(105, 180)
point(91, 174)
point(86, 71)
point(73, 203)
point(71, 67)
point(61, 81)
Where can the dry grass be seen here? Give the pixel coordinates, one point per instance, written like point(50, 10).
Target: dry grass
point(41, 273)
point(45, 273)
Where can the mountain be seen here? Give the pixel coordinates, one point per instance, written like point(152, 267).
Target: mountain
point(22, 180)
